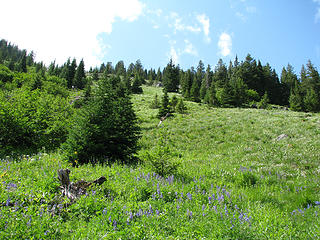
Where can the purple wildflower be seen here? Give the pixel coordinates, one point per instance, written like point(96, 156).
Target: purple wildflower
point(8, 202)
point(104, 211)
point(114, 224)
point(189, 196)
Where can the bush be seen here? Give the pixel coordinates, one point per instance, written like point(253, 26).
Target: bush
point(181, 107)
point(106, 128)
point(161, 158)
point(31, 120)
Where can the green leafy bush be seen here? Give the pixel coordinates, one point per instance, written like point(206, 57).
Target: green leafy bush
point(161, 159)
point(31, 120)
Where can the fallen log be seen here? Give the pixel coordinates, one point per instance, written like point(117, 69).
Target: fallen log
point(74, 190)
point(163, 118)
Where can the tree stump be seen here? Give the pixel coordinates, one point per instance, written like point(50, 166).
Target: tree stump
point(74, 190)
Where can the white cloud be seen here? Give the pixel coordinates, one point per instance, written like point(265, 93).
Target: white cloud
point(251, 9)
point(62, 29)
point(317, 16)
point(180, 26)
point(190, 49)
point(241, 16)
point(174, 55)
point(205, 21)
point(225, 44)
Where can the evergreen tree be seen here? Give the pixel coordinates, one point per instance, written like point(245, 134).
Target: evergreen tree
point(109, 69)
point(72, 70)
point(264, 103)
point(181, 108)
point(159, 76)
point(165, 106)
point(210, 97)
point(239, 91)
point(136, 85)
point(200, 73)
point(203, 89)
point(195, 91)
point(22, 65)
point(296, 99)
point(225, 96)
point(220, 74)
point(186, 83)
point(173, 103)
point(120, 68)
point(311, 102)
point(155, 103)
point(171, 77)
point(80, 76)
point(106, 129)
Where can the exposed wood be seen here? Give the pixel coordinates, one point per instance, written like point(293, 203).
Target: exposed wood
point(164, 118)
point(74, 190)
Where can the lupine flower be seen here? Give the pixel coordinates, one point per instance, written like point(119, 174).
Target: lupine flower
point(114, 224)
point(189, 196)
point(317, 202)
point(189, 213)
point(29, 222)
point(157, 212)
point(104, 211)
point(8, 202)
point(210, 199)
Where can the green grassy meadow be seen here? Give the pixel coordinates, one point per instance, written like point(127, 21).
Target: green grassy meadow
point(235, 180)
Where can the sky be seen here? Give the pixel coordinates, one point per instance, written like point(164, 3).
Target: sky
point(277, 32)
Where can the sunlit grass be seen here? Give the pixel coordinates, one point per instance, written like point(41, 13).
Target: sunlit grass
point(235, 181)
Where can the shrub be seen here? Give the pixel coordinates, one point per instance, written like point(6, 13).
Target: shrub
point(181, 107)
point(31, 120)
point(106, 128)
point(162, 158)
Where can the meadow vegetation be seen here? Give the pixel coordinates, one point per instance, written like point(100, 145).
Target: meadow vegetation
point(233, 180)
point(206, 156)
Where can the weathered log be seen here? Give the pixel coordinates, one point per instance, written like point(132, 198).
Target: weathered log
point(163, 118)
point(74, 190)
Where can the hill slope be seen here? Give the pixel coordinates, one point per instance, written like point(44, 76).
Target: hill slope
point(237, 180)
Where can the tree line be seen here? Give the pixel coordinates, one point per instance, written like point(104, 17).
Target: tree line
point(89, 114)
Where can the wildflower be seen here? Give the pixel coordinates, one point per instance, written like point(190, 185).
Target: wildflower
point(203, 207)
point(317, 202)
point(189, 196)
point(114, 224)
point(8, 202)
point(29, 222)
point(75, 152)
point(157, 212)
point(104, 211)
point(189, 213)
point(210, 199)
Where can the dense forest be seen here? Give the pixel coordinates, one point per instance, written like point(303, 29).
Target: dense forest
point(64, 105)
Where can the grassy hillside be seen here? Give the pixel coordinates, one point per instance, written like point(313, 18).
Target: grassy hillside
point(237, 179)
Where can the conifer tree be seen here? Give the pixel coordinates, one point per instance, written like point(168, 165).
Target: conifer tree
point(296, 99)
point(165, 106)
point(195, 91)
point(80, 76)
point(136, 85)
point(105, 129)
point(181, 108)
point(171, 77)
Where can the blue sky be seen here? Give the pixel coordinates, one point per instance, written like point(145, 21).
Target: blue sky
point(275, 31)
